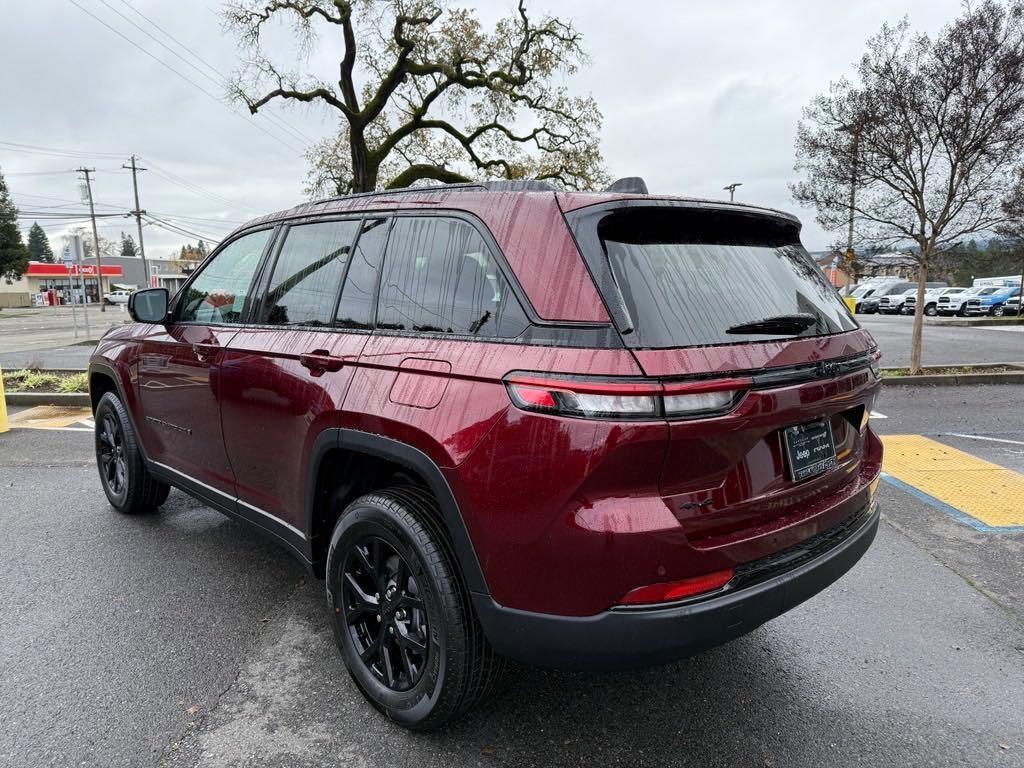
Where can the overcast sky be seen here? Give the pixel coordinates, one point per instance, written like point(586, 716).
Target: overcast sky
point(696, 94)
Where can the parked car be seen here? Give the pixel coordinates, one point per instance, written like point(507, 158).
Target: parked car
point(931, 300)
point(893, 304)
point(505, 421)
point(860, 293)
point(990, 301)
point(1012, 306)
point(120, 296)
point(870, 305)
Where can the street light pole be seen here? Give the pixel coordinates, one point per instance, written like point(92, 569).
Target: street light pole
point(731, 188)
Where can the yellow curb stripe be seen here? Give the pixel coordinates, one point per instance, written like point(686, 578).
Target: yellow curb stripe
point(987, 492)
point(49, 417)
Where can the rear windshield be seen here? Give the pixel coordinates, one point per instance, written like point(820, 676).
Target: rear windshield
point(693, 277)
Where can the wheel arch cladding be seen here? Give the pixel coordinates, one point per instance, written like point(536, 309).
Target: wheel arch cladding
point(341, 445)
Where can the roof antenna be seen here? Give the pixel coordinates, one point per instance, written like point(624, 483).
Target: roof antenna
point(633, 185)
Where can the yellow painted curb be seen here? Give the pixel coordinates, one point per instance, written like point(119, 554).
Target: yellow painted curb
point(985, 491)
point(4, 426)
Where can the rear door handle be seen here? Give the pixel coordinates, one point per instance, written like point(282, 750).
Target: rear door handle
point(319, 361)
point(205, 351)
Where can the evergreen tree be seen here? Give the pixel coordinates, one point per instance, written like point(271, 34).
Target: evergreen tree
point(39, 245)
point(128, 247)
point(13, 253)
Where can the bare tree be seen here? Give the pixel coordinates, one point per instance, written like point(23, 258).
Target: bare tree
point(928, 138)
point(423, 91)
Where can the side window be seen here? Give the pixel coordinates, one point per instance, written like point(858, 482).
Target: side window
point(356, 307)
point(307, 275)
point(218, 294)
point(440, 275)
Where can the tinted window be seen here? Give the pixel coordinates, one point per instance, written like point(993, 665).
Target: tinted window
point(692, 278)
point(307, 275)
point(218, 294)
point(356, 307)
point(440, 275)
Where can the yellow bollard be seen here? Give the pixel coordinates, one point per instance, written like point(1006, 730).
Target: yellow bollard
point(851, 303)
point(4, 426)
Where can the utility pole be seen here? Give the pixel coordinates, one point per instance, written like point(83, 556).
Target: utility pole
point(731, 188)
point(138, 219)
point(95, 243)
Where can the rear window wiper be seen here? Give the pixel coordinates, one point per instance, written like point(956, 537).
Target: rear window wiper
point(779, 324)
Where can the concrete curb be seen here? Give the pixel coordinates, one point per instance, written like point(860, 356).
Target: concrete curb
point(67, 399)
point(981, 322)
point(982, 376)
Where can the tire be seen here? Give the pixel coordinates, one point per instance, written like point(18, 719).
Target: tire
point(997, 311)
point(962, 312)
point(930, 310)
point(377, 538)
point(128, 485)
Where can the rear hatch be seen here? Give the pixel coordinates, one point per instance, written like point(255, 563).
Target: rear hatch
point(729, 293)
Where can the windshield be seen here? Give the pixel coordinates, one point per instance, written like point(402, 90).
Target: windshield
point(860, 293)
point(691, 278)
point(988, 291)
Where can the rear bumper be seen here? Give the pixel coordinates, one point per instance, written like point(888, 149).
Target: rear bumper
point(623, 639)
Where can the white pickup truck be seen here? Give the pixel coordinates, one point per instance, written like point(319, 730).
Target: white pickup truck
point(116, 297)
point(931, 300)
point(955, 303)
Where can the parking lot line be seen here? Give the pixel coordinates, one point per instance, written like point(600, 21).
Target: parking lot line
point(981, 494)
point(53, 417)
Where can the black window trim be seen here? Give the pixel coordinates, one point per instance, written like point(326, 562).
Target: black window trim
point(254, 283)
point(581, 334)
point(267, 273)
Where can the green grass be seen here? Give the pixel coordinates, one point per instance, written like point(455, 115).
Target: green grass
point(953, 370)
point(28, 380)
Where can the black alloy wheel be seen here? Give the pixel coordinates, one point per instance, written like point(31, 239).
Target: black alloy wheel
point(126, 481)
point(383, 608)
point(113, 470)
point(403, 617)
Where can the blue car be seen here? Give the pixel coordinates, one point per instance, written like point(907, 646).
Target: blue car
point(991, 300)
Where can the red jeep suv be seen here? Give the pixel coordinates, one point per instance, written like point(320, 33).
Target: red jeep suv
point(579, 430)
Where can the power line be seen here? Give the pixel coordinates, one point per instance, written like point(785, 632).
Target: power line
point(187, 79)
point(203, 219)
point(195, 188)
point(221, 80)
point(57, 151)
point(154, 221)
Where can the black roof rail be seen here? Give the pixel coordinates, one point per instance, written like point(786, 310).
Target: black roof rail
point(401, 191)
point(519, 185)
point(629, 184)
point(497, 185)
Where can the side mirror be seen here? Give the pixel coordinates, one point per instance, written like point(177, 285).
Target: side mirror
point(149, 306)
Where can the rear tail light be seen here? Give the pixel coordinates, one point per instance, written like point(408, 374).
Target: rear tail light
point(677, 590)
point(624, 399)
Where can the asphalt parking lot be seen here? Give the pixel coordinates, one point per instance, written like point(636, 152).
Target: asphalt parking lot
point(182, 639)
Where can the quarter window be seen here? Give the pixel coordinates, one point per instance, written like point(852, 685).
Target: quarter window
point(307, 275)
point(219, 293)
point(440, 275)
